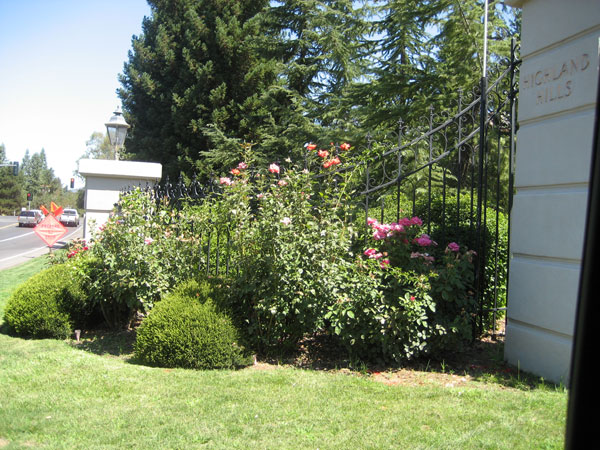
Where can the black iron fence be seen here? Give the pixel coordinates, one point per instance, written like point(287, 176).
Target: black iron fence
point(456, 173)
point(453, 170)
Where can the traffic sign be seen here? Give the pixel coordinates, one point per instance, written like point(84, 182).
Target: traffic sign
point(56, 210)
point(50, 230)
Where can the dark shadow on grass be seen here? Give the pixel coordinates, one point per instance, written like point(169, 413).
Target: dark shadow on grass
point(5, 330)
point(481, 361)
point(107, 342)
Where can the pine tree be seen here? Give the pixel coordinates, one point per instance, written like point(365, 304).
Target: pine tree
point(428, 51)
point(194, 74)
point(39, 179)
point(324, 49)
point(12, 195)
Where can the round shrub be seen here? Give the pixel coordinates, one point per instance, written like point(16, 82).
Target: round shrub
point(186, 329)
point(48, 305)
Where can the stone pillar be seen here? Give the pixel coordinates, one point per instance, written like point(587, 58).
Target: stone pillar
point(557, 93)
point(104, 179)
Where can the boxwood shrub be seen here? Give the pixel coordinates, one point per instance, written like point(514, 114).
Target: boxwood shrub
point(187, 329)
point(49, 305)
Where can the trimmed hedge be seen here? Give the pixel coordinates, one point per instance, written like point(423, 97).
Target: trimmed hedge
point(187, 330)
point(48, 305)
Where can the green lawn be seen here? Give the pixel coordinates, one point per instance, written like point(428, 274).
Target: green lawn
point(56, 394)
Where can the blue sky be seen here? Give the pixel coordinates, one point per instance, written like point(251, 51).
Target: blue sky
point(60, 61)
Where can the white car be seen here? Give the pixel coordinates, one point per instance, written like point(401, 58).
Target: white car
point(69, 217)
point(29, 218)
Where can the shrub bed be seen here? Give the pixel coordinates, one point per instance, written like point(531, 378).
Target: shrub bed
point(299, 267)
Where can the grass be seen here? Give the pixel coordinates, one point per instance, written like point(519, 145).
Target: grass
point(92, 394)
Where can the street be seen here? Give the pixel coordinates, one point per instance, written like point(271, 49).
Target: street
point(18, 245)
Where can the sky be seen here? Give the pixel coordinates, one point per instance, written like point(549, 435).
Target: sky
point(59, 67)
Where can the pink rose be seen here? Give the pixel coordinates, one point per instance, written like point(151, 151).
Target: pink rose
point(424, 240)
point(274, 168)
point(453, 247)
point(405, 222)
point(379, 235)
point(416, 221)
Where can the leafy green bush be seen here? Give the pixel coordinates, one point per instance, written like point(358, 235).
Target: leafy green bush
point(401, 301)
point(292, 249)
point(384, 315)
point(297, 267)
point(186, 329)
point(49, 305)
point(460, 226)
point(451, 221)
point(139, 255)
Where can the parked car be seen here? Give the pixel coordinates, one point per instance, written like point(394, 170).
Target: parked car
point(69, 217)
point(29, 218)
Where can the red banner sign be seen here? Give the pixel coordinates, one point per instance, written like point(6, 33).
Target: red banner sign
point(50, 230)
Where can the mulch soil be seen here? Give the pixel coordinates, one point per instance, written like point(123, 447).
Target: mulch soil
point(482, 359)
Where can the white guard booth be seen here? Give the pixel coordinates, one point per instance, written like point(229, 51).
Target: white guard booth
point(105, 179)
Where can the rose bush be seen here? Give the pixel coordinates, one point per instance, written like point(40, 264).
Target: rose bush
point(401, 300)
point(138, 256)
point(291, 249)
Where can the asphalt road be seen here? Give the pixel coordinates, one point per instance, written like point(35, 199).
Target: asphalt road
point(18, 245)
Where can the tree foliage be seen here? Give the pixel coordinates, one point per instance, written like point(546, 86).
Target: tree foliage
point(98, 147)
point(39, 179)
point(428, 51)
point(12, 195)
point(35, 178)
point(207, 78)
point(194, 72)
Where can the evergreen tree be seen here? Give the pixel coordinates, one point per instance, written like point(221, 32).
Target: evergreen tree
point(324, 48)
point(428, 51)
point(39, 179)
point(193, 75)
point(209, 78)
point(12, 196)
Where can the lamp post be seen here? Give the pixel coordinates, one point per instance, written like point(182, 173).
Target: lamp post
point(117, 130)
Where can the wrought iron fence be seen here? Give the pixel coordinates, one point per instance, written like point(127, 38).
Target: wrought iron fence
point(455, 171)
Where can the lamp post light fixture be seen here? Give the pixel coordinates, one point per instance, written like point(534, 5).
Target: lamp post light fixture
point(117, 130)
